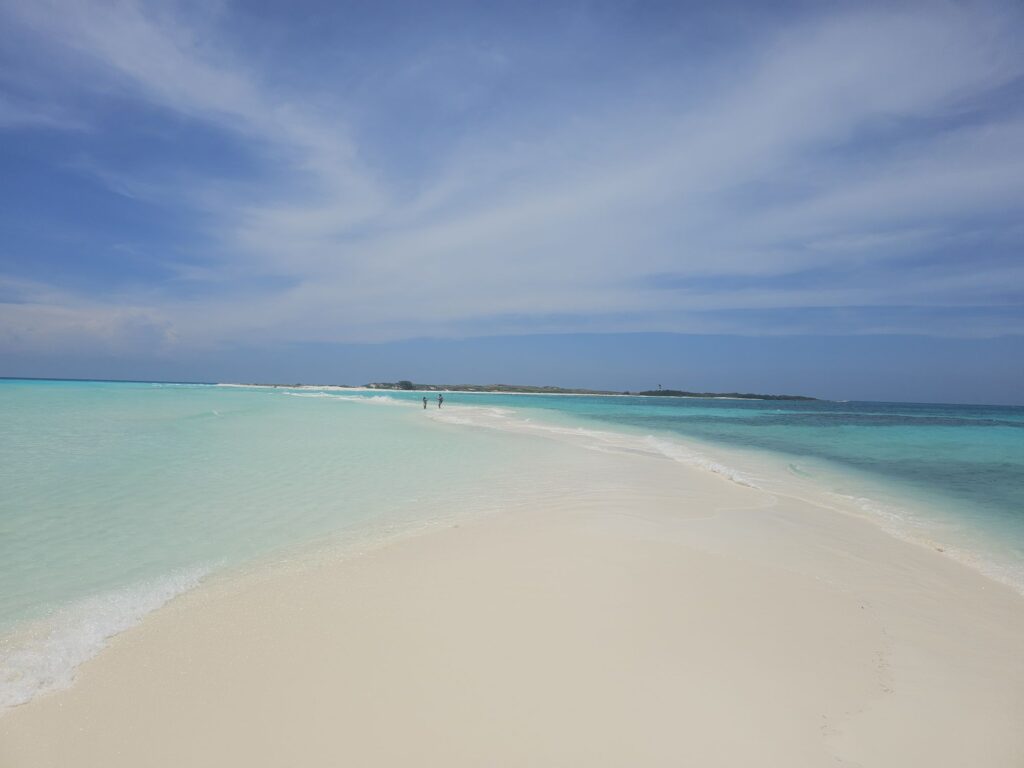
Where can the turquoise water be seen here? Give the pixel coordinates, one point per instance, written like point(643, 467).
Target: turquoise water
point(967, 456)
point(114, 497)
point(948, 475)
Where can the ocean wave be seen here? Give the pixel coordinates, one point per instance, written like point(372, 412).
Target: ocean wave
point(43, 657)
point(686, 455)
point(372, 399)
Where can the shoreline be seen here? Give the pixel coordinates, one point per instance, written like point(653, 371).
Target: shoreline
point(762, 469)
point(706, 459)
point(585, 577)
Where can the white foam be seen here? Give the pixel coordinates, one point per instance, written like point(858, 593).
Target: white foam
point(900, 521)
point(372, 399)
point(906, 525)
point(43, 657)
point(594, 439)
point(684, 454)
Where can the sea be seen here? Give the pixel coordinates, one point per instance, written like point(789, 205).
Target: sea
point(117, 496)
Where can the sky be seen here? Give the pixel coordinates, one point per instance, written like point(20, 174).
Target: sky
point(824, 198)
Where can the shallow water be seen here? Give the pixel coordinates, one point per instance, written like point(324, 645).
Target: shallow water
point(951, 476)
point(114, 497)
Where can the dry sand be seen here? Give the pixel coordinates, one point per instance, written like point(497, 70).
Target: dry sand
point(640, 614)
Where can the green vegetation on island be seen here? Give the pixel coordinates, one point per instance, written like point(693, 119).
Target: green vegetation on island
point(498, 388)
point(730, 395)
point(535, 390)
point(527, 389)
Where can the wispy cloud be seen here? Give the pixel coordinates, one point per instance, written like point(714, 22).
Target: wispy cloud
point(14, 115)
point(863, 144)
point(39, 319)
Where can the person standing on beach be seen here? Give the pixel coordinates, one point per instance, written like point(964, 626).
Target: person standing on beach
point(424, 402)
point(440, 400)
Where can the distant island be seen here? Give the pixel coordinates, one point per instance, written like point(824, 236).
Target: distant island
point(528, 389)
point(535, 390)
point(506, 388)
point(729, 395)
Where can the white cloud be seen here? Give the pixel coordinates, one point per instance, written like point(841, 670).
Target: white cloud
point(38, 319)
point(826, 145)
point(21, 114)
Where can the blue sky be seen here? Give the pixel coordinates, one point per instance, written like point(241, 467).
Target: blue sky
point(609, 193)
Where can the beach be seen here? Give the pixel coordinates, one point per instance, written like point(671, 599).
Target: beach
point(613, 609)
point(671, 401)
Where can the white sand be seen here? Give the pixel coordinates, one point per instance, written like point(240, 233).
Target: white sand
point(626, 611)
